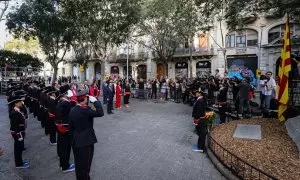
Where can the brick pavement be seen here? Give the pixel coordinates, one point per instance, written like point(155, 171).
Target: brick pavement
point(147, 141)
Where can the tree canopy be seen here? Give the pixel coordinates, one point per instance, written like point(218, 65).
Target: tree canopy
point(30, 46)
point(168, 23)
point(43, 19)
point(101, 24)
point(14, 59)
point(237, 13)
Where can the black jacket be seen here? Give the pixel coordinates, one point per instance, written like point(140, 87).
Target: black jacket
point(81, 122)
point(17, 121)
point(63, 109)
point(199, 108)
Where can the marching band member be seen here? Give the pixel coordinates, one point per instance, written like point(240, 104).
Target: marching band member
point(17, 128)
point(81, 119)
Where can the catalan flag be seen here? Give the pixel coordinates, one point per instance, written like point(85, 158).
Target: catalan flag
point(283, 73)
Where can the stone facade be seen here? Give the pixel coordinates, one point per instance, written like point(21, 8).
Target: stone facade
point(257, 46)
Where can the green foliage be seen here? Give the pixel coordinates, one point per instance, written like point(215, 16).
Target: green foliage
point(168, 23)
point(42, 19)
point(237, 13)
point(14, 59)
point(100, 24)
point(31, 46)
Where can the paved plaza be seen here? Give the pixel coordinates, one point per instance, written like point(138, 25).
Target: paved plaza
point(150, 140)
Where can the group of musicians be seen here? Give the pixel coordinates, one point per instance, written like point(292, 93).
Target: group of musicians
point(66, 116)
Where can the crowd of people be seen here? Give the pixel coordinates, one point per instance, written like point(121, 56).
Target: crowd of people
point(66, 113)
point(62, 108)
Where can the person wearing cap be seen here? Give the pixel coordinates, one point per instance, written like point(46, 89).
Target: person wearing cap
point(63, 108)
point(17, 129)
point(83, 138)
point(199, 119)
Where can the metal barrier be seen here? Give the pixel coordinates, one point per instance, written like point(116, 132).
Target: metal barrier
point(236, 165)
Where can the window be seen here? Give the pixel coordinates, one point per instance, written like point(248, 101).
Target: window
point(63, 71)
point(276, 33)
point(230, 41)
point(252, 37)
point(241, 41)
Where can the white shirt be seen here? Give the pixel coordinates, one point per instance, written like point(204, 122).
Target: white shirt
point(271, 85)
point(262, 86)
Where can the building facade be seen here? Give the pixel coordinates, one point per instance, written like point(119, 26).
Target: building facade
point(256, 47)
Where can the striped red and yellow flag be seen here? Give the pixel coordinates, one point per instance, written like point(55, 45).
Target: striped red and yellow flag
point(283, 72)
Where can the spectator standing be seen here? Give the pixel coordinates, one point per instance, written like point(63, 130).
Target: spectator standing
point(270, 86)
point(94, 90)
point(154, 89)
point(243, 96)
point(118, 95)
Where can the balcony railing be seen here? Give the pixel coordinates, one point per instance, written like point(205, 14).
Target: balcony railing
point(194, 51)
point(132, 56)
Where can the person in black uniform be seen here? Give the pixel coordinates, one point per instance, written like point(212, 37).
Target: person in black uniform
point(127, 94)
point(63, 108)
point(83, 136)
point(17, 128)
point(222, 102)
point(201, 124)
point(51, 120)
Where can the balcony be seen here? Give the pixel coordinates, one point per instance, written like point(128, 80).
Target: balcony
point(182, 52)
point(140, 56)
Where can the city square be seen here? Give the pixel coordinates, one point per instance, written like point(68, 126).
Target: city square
point(148, 141)
point(149, 89)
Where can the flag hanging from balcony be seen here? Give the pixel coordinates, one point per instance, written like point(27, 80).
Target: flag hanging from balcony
point(283, 73)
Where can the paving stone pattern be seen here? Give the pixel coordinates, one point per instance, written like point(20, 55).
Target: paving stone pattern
point(147, 141)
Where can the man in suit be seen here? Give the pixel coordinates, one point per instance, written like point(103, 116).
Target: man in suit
point(83, 138)
point(110, 97)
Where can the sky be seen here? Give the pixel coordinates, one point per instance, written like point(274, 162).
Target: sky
point(4, 34)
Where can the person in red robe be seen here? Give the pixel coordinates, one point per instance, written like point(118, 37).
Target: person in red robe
point(94, 90)
point(118, 95)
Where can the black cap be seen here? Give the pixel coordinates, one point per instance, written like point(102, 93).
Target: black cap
point(82, 92)
point(14, 99)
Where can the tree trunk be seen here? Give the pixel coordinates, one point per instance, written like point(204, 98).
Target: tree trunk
point(191, 65)
point(225, 61)
point(55, 70)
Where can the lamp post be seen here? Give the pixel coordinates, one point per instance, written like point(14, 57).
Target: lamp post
point(127, 60)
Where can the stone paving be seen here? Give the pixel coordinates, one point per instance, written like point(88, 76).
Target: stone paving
point(150, 140)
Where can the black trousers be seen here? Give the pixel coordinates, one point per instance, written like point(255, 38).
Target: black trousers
point(201, 131)
point(18, 148)
point(222, 113)
point(83, 157)
point(109, 106)
point(154, 92)
point(35, 108)
point(45, 121)
point(52, 129)
point(64, 150)
point(126, 99)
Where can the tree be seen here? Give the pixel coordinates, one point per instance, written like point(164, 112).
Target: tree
point(168, 23)
point(215, 11)
point(3, 9)
point(14, 59)
point(30, 46)
point(43, 19)
point(100, 25)
point(237, 13)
